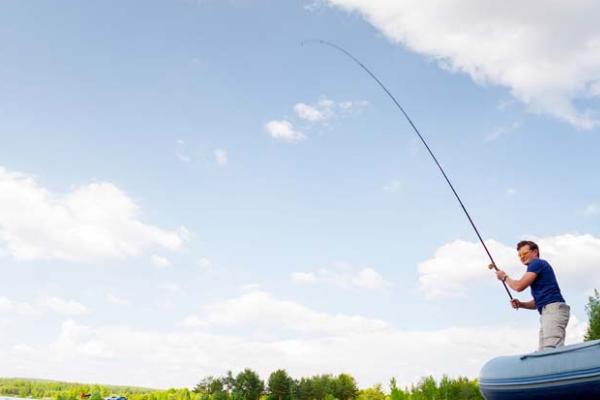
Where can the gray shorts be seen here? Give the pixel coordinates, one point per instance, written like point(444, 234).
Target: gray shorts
point(553, 325)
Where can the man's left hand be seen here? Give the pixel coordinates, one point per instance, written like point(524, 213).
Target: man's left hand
point(501, 275)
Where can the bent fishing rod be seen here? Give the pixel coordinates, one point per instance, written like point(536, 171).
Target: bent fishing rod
point(356, 60)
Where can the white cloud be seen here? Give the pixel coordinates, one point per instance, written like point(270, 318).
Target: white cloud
point(170, 287)
point(303, 277)
point(23, 348)
point(193, 321)
point(93, 222)
point(261, 311)
point(326, 109)
point(81, 341)
point(368, 278)
point(221, 157)
point(114, 299)
point(351, 106)
point(205, 263)
point(592, 210)
point(309, 113)
point(318, 113)
point(456, 265)
point(65, 307)
point(15, 307)
point(312, 342)
point(284, 130)
point(160, 261)
point(459, 265)
point(510, 192)
point(343, 275)
point(547, 59)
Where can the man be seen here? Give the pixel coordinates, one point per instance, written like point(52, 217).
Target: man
point(547, 299)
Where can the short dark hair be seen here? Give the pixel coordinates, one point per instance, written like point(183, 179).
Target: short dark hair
point(529, 243)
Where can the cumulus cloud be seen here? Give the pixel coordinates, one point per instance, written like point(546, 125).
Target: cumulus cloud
point(319, 113)
point(79, 340)
point(92, 222)
point(548, 59)
point(458, 265)
point(114, 299)
point(325, 109)
point(260, 310)
point(313, 342)
point(193, 321)
point(23, 348)
point(170, 287)
point(205, 263)
point(343, 275)
point(63, 306)
point(284, 131)
point(15, 307)
point(309, 113)
point(303, 277)
point(160, 261)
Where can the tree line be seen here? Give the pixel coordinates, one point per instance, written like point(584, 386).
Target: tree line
point(247, 385)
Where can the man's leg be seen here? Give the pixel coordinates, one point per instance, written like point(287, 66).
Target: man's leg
point(555, 318)
point(541, 335)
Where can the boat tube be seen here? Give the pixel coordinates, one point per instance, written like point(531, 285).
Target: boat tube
point(569, 372)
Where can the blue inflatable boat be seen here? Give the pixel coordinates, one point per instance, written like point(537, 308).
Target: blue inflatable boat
point(569, 372)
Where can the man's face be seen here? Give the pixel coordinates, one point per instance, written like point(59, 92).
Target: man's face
point(526, 254)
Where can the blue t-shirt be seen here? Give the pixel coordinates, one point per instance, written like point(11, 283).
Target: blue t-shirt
point(544, 288)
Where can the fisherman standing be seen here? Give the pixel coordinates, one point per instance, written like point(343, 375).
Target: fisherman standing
point(547, 299)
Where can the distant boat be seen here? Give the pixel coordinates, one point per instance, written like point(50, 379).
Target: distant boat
point(569, 372)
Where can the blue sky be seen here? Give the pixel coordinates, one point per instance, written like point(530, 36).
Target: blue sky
point(185, 187)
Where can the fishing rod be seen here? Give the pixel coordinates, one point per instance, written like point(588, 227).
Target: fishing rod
point(356, 60)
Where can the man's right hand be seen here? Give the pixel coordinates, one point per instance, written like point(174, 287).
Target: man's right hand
point(516, 303)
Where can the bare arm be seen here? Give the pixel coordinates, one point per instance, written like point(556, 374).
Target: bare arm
point(528, 305)
point(521, 284)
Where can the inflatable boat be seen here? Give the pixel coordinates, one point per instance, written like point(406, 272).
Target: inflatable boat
point(569, 372)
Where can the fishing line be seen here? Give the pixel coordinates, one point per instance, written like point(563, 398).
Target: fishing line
point(356, 60)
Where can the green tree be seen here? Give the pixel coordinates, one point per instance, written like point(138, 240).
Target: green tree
point(228, 382)
point(302, 389)
point(374, 393)
point(220, 395)
point(344, 387)
point(280, 385)
point(397, 393)
point(209, 385)
point(315, 388)
point(248, 386)
point(426, 389)
point(593, 311)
